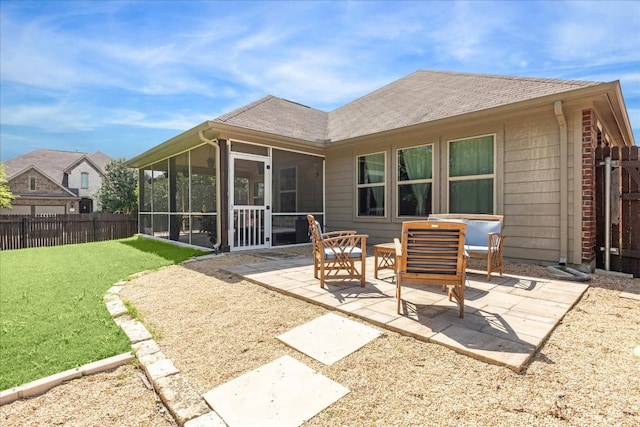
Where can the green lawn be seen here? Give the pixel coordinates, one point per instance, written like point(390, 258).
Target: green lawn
point(52, 316)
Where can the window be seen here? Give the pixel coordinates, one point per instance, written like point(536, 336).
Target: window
point(471, 175)
point(288, 189)
point(371, 185)
point(84, 180)
point(415, 178)
point(32, 183)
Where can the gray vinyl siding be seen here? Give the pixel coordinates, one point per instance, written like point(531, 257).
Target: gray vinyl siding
point(339, 192)
point(532, 188)
point(340, 187)
point(527, 174)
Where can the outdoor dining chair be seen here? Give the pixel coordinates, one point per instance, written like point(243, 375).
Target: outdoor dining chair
point(432, 253)
point(337, 254)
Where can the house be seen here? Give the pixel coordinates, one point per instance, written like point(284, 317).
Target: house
point(55, 182)
point(430, 142)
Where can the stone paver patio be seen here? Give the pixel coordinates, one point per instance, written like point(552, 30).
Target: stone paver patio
point(506, 319)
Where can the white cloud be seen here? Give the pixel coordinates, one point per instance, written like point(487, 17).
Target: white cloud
point(177, 121)
point(69, 117)
point(595, 32)
point(57, 117)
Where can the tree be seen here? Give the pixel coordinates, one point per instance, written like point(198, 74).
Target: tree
point(118, 192)
point(6, 196)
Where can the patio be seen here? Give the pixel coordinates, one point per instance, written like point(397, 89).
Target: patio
point(506, 319)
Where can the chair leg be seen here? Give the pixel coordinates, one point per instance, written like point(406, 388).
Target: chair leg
point(398, 291)
point(362, 272)
point(322, 275)
point(457, 292)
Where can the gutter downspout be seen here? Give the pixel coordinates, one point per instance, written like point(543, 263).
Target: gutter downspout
point(564, 191)
point(607, 213)
point(214, 143)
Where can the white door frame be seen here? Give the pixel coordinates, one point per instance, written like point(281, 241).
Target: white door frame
point(250, 224)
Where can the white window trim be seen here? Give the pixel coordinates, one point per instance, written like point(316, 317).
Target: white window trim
point(382, 184)
point(413, 181)
point(473, 177)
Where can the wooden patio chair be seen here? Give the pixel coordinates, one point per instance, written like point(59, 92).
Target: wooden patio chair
point(432, 253)
point(336, 254)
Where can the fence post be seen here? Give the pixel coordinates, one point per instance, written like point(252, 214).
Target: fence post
point(23, 232)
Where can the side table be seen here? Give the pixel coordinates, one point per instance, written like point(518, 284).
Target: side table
point(385, 257)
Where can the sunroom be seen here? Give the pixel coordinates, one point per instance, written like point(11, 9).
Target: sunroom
point(228, 194)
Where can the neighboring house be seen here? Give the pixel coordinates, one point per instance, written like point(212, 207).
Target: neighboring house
point(55, 182)
point(431, 142)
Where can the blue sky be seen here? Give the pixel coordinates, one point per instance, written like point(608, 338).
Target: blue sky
point(124, 76)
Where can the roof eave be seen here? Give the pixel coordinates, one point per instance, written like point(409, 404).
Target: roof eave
point(178, 143)
point(611, 89)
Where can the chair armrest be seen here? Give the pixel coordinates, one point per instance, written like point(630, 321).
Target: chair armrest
point(495, 240)
point(345, 240)
point(398, 245)
point(344, 247)
point(331, 234)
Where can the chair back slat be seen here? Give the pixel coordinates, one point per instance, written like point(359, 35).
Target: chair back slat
point(432, 253)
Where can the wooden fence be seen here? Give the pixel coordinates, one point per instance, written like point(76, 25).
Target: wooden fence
point(625, 208)
point(20, 231)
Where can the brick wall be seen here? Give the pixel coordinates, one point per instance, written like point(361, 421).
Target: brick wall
point(589, 141)
point(22, 185)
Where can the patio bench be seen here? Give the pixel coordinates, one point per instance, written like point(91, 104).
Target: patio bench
point(484, 238)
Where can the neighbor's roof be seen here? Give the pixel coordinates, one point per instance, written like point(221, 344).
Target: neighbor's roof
point(420, 97)
point(53, 163)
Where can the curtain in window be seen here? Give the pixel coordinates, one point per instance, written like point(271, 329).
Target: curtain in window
point(471, 156)
point(471, 163)
point(417, 162)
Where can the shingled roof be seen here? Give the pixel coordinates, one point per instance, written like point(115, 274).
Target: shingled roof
point(281, 117)
point(53, 163)
point(420, 97)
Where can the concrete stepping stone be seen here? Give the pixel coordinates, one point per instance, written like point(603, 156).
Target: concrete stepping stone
point(632, 292)
point(329, 338)
point(283, 393)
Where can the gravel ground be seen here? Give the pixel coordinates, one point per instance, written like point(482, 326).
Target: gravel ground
point(216, 327)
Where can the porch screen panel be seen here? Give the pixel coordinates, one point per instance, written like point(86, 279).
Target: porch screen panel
point(160, 199)
point(179, 188)
point(160, 191)
point(145, 182)
point(179, 198)
point(203, 224)
point(146, 179)
point(296, 190)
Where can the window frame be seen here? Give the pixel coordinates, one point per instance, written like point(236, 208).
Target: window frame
point(382, 184)
point(492, 176)
point(413, 181)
